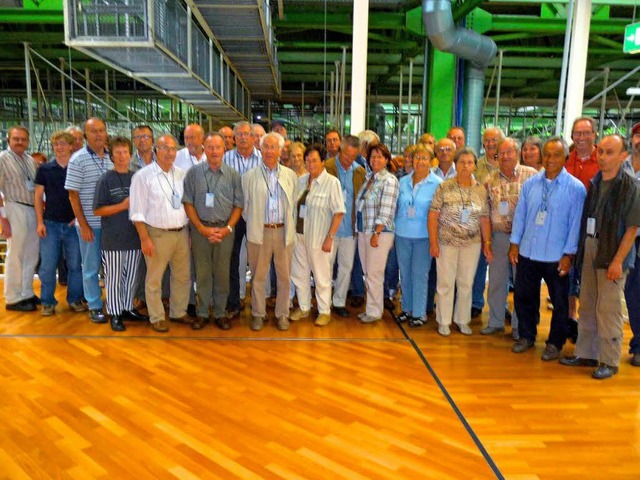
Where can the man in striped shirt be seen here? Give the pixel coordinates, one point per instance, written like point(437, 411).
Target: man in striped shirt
point(18, 221)
point(242, 159)
point(85, 168)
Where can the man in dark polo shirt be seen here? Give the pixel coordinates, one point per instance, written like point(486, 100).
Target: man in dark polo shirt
point(56, 228)
point(213, 201)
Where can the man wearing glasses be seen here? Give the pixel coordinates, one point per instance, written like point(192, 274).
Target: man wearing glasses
point(143, 141)
point(157, 212)
point(445, 151)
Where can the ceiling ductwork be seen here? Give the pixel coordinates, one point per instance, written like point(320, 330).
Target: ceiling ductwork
point(478, 50)
point(163, 45)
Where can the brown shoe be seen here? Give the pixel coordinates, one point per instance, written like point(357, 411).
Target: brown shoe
point(322, 320)
point(161, 326)
point(199, 323)
point(186, 319)
point(223, 323)
point(299, 314)
point(283, 323)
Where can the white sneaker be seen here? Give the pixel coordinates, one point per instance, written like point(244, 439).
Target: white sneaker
point(465, 329)
point(444, 330)
point(362, 315)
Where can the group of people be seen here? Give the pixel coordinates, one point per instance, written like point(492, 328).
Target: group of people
point(163, 222)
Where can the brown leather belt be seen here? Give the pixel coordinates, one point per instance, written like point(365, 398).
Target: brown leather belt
point(273, 225)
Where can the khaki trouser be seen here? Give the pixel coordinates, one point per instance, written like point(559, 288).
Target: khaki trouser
point(600, 324)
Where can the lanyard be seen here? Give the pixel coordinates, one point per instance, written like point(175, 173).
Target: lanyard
point(267, 179)
point(464, 203)
point(23, 168)
point(172, 187)
point(217, 180)
point(546, 193)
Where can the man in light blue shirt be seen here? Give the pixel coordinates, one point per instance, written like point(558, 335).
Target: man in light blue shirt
point(544, 240)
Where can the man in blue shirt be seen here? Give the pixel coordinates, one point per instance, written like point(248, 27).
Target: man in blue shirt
point(544, 240)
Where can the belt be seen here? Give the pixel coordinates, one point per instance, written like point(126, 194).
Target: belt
point(595, 235)
point(25, 204)
point(215, 224)
point(273, 225)
point(173, 229)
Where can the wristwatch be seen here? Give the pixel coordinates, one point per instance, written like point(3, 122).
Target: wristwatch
point(230, 228)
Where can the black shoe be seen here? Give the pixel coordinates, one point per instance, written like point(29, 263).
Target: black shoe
point(604, 371)
point(522, 345)
point(97, 316)
point(35, 300)
point(357, 302)
point(403, 317)
point(199, 323)
point(23, 306)
point(117, 325)
point(223, 323)
point(134, 315)
point(389, 305)
point(191, 310)
point(475, 312)
point(233, 312)
point(574, 361)
point(507, 317)
point(415, 322)
point(342, 312)
point(635, 360)
point(573, 330)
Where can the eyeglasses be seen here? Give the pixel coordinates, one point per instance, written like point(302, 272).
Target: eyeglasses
point(60, 144)
point(143, 136)
point(422, 157)
point(582, 134)
point(271, 148)
point(506, 153)
point(167, 148)
point(445, 149)
point(243, 134)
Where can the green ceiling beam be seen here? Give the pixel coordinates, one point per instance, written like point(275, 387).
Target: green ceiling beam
point(556, 50)
point(18, 15)
point(605, 41)
point(389, 44)
point(518, 23)
point(294, 68)
point(319, 57)
point(316, 20)
point(31, 37)
point(465, 8)
point(508, 37)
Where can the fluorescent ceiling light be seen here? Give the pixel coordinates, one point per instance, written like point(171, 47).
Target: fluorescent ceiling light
point(633, 91)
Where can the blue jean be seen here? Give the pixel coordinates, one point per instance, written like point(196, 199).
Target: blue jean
point(60, 238)
point(433, 283)
point(91, 261)
point(479, 283)
point(631, 295)
point(357, 280)
point(414, 262)
point(391, 273)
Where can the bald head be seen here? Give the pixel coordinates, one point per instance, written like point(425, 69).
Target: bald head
point(194, 139)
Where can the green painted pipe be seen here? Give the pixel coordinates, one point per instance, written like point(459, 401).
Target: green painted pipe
point(17, 15)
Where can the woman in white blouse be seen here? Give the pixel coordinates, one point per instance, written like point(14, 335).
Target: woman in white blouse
point(319, 210)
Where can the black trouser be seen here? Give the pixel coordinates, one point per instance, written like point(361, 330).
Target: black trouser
point(527, 299)
point(233, 302)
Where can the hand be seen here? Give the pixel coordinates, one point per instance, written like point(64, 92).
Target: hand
point(434, 250)
point(514, 251)
point(488, 252)
point(564, 265)
point(147, 246)
point(41, 230)
point(327, 244)
point(6, 228)
point(125, 204)
point(374, 241)
point(217, 234)
point(614, 272)
point(86, 233)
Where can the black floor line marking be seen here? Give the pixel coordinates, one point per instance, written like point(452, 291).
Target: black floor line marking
point(455, 408)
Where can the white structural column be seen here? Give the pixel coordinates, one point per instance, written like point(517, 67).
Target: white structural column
point(577, 65)
point(359, 65)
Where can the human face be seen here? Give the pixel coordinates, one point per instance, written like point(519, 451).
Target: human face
point(78, 140)
point(121, 157)
point(314, 164)
point(228, 134)
point(553, 159)
point(296, 158)
point(281, 129)
point(490, 142)
point(430, 142)
point(377, 161)
point(611, 154)
point(421, 163)
point(408, 162)
point(61, 149)
point(244, 141)
point(166, 151)
point(507, 158)
point(270, 152)
point(465, 166)
point(457, 136)
point(193, 138)
point(18, 140)
point(348, 155)
point(333, 143)
point(635, 143)
point(96, 132)
point(142, 140)
point(445, 151)
point(214, 148)
point(531, 156)
point(583, 136)
point(257, 132)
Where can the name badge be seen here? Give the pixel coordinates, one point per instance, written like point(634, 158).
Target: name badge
point(591, 226)
point(411, 211)
point(465, 215)
point(30, 185)
point(208, 200)
point(345, 195)
point(175, 201)
point(303, 211)
point(503, 208)
point(541, 216)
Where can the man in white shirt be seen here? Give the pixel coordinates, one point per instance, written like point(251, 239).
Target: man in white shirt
point(193, 152)
point(156, 210)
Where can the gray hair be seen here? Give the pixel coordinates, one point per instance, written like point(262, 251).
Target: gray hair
point(465, 151)
point(275, 135)
point(560, 140)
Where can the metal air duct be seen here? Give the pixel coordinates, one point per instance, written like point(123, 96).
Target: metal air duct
point(478, 50)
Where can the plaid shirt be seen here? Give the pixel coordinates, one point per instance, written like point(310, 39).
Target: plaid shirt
point(500, 188)
point(377, 200)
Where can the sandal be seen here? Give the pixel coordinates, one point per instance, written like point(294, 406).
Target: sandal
point(415, 322)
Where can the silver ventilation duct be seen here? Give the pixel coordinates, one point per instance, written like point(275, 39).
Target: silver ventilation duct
point(478, 50)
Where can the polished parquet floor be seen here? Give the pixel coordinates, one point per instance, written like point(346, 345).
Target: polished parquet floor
point(347, 401)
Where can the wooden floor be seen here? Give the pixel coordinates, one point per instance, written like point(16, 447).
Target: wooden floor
point(347, 401)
